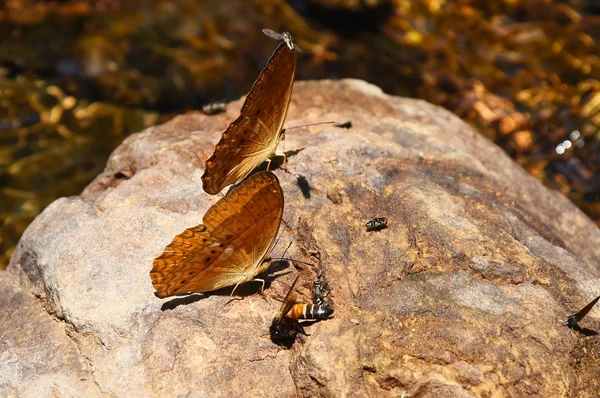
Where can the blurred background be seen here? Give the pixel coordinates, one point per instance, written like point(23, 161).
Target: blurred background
point(77, 77)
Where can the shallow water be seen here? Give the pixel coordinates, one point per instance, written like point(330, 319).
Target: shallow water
point(78, 77)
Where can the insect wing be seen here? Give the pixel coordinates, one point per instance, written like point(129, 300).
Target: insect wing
point(272, 34)
point(289, 301)
point(583, 312)
point(229, 247)
point(253, 137)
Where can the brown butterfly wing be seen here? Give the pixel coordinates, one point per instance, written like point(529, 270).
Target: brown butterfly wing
point(253, 137)
point(255, 206)
point(168, 276)
point(238, 232)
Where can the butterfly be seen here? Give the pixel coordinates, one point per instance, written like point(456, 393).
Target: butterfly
point(285, 326)
point(572, 320)
point(253, 137)
point(229, 247)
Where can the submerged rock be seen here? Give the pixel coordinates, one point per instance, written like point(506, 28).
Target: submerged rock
point(463, 294)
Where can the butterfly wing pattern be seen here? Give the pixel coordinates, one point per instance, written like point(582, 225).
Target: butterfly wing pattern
point(253, 137)
point(230, 247)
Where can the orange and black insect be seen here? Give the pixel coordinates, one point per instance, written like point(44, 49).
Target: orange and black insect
point(310, 311)
point(214, 107)
point(572, 320)
point(377, 224)
point(285, 326)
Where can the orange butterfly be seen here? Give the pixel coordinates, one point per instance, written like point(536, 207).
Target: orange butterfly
point(229, 247)
point(253, 137)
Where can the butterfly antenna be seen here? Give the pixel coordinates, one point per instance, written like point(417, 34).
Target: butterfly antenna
point(284, 258)
point(296, 261)
point(285, 251)
point(286, 225)
point(310, 124)
point(278, 238)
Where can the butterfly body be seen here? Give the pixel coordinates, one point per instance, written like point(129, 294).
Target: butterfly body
point(230, 247)
point(253, 137)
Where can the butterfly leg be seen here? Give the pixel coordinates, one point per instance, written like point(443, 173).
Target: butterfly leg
point(233, 291)
point(262, 286)
point(233, 299)
point(284, 164)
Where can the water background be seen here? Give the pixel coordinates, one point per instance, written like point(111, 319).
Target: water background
point(77, 77)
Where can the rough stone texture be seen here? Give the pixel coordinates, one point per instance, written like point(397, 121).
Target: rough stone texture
point(462, 295)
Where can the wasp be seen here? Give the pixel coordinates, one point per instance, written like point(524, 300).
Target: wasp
point(320, 291)
point(285, 326)
point(214, 107)
point(377, 224)
point(572, 320)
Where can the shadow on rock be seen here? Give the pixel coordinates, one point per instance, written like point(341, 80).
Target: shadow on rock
point(584, 331)
point(243, 290)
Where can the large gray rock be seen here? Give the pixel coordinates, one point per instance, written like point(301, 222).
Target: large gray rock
point(462, 295)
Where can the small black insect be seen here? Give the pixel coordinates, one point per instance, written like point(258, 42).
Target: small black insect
point(346, 124)
point(214, 108)
point(572, 320)
point(320, 291)
point(377, 224)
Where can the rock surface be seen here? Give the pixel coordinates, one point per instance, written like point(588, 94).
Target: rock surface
point(462, 295)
